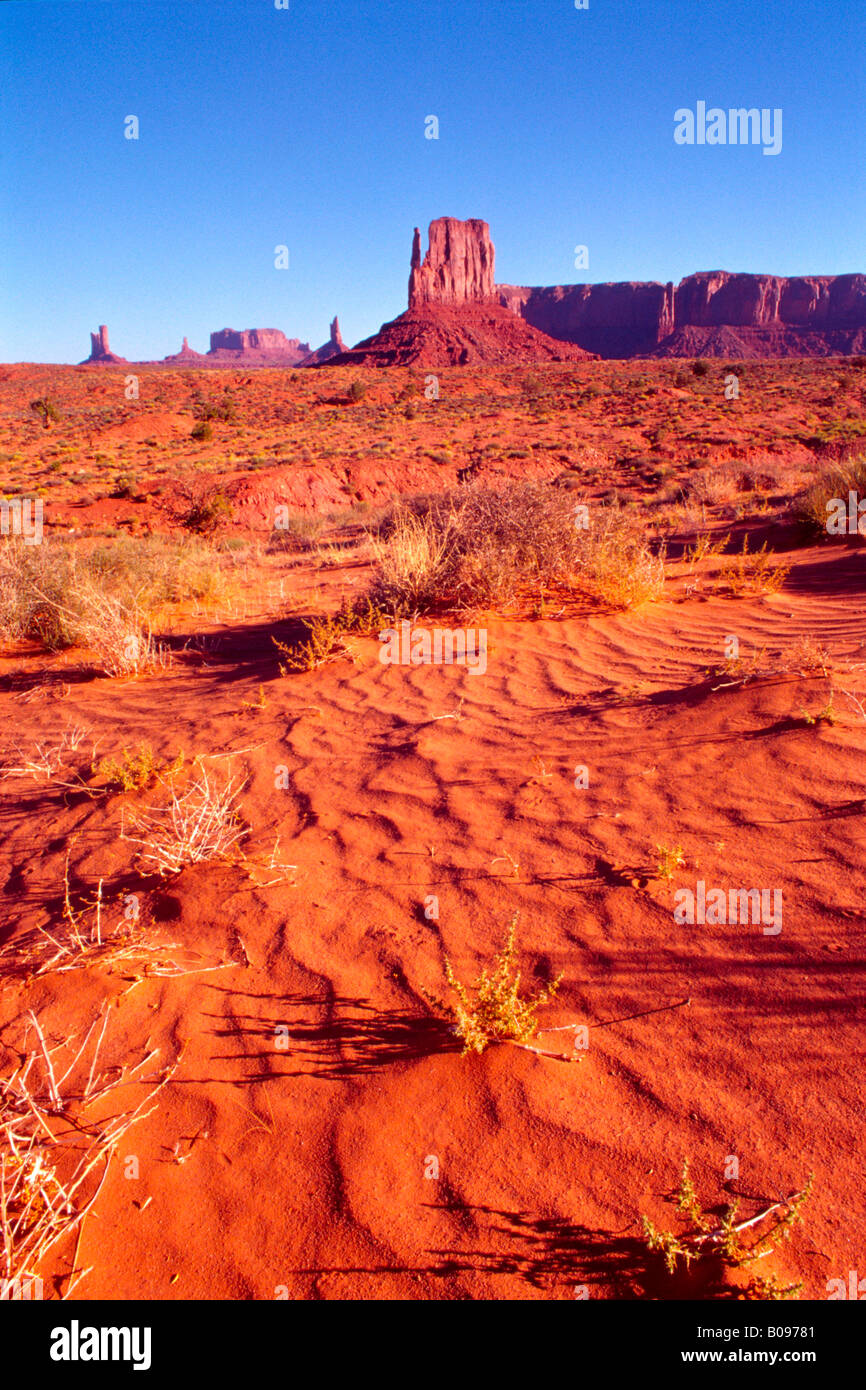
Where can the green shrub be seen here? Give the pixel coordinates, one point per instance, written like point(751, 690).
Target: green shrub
point(46, 408)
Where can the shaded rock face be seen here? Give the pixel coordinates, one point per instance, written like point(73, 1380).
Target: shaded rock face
point(614, 320)
point(258, 345)
point(772, 316)
point(458, 266)
point(100, 350)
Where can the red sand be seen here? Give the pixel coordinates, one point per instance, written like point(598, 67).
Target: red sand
point(304, 1169)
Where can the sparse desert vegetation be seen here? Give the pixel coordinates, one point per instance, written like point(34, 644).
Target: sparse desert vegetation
point(723, 1246)
point(193, 691)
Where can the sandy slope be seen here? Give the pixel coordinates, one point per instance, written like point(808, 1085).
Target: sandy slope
point(305, 1168)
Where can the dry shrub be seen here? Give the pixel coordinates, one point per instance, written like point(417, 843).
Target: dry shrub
point(833, 481)
point(477, 547)
point(104, 598)
point(296, 534)
point(195, 825)
point(711, 486)
point(46, 759)
point(54, 1154)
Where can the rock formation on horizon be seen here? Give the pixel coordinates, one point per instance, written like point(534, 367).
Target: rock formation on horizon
point(186, 354)
point(257, 347)
point(454, 317)
point(100, 350)
point(712, 314)
point(331, 348)
point(457, 314)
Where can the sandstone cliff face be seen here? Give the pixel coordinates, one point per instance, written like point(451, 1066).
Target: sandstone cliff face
point(763, 301)
point(773, 316)
point(615, 320)
point(458, 266)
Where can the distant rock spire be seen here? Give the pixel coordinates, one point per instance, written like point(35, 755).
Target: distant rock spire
point(99, 343)
point(100, 350)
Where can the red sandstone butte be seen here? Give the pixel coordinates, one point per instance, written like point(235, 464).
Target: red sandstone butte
point(257, 347)
point(458, 266)
point(454, 318)
point(100, 350)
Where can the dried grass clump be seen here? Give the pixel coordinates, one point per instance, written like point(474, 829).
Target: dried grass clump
point(54, 1156)
point(35, 584)
point(157, 571)
point(195, 825)
point(46, 759)
point(105, 598)
point(833, 481)
point(477, 547)
point(295, 534)
point(117, 633)
point(617, 565)
point(82, 939)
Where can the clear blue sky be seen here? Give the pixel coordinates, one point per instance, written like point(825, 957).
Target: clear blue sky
point(261, 127)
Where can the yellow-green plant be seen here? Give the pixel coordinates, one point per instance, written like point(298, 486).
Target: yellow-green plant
point(754, 572)
point(327, 637)
point(705, 548)
point(671, 857)
point(827, 715)
point(136, 769)
point(708, 1237)
point(493, 1009)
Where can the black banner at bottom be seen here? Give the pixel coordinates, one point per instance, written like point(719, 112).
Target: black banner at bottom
point(81, 1339)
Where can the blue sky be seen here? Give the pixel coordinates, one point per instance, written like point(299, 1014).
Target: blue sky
point(262, 127)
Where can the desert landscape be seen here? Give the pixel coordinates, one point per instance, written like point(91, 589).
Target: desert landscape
point(257, 850)
point(432, 675)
